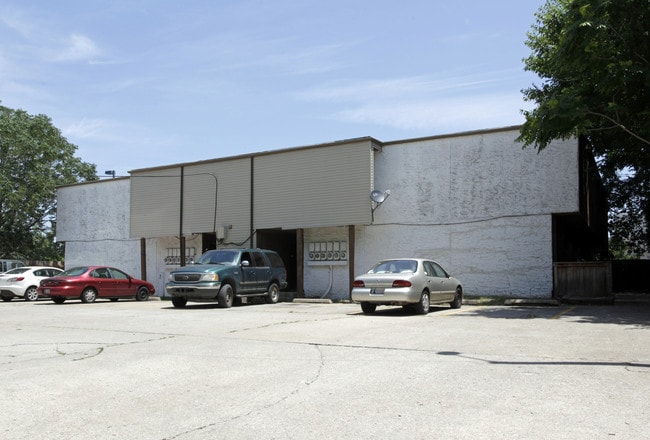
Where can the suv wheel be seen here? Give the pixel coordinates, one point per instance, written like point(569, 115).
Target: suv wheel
point(273, 295)
point(226, 296)
point(179, 301)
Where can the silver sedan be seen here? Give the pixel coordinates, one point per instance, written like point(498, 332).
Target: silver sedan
point(413, 283)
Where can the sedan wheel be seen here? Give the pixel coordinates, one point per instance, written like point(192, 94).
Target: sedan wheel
point(31, 294)
point(424, 305)
point(368, 308)
point(88, 295)
point(458, 299)
point(273, 295)
point(226, 296)
point(143, 294)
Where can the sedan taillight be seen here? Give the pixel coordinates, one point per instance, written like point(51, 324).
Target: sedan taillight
point(402, 283)
point(358, 283)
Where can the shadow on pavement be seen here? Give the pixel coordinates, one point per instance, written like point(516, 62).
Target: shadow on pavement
point(551, 363)
point(633, 314)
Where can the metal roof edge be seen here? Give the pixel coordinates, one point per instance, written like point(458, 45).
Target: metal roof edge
point(374, 142)
point(89, 182)
point(453, 135)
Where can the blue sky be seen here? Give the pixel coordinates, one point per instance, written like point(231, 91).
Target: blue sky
point(137, 84)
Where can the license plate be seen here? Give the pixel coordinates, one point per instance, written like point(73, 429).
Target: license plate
point(46, 291)
point(377, 291)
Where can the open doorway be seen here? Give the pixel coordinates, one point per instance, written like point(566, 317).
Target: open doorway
point(284, 243)
point(209, 241)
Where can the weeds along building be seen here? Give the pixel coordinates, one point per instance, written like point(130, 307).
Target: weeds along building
point(495, 215)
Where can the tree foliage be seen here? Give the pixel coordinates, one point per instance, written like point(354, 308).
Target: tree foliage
point(593, 58)
point(34, 159)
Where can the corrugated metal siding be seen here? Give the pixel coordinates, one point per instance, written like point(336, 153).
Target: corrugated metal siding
point(233, 198)
point(326, 186)
point(155, 199)
point(301, 188)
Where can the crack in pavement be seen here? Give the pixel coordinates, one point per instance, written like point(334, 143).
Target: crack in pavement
point(297, 321)
point(90, 353)
point(307, 383)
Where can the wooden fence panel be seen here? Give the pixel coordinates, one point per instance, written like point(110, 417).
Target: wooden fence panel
point(583, 280)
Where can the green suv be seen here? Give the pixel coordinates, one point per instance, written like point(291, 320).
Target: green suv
point(225, 274)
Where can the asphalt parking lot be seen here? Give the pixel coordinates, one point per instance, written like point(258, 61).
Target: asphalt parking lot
point(144, 370)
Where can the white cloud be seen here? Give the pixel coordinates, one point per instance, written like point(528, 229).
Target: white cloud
point(77, 47)
point(111, 132)
point(427, 103)
point(415, 86)
point(437, 115)
point(14, 19)
point(88, 128)
point(112, 144)
point(116, 133)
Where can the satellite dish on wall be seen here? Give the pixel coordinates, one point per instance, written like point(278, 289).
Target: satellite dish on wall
point(378, 196)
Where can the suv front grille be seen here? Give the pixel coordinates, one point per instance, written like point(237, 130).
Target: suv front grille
point(187, 277)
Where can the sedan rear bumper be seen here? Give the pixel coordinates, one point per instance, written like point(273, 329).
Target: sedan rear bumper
point(396, 296)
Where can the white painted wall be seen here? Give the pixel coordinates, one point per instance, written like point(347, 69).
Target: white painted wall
point(509, 256)
point(474, 178)
point(478, 204)
point(93, 221)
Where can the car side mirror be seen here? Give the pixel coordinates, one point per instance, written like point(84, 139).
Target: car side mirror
point(245, 263)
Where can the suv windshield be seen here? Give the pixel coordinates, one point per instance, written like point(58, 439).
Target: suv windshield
point(219, 257)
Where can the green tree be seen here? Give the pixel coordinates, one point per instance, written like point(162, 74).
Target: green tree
point(593, 59)
point(34, 159)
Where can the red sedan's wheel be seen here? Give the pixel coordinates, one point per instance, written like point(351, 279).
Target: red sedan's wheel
point(88, 295)
point(143, 294)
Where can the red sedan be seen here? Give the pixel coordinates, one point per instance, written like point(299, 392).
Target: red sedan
point(91, 282)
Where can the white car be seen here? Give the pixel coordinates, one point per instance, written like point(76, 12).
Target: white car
point(22, 282)
point(413, 283)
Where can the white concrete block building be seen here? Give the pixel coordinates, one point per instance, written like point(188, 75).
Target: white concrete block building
point(496, 216)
